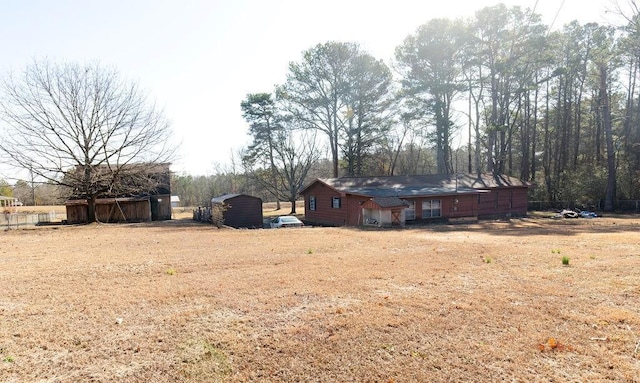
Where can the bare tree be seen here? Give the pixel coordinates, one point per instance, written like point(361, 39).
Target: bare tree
point(85, 128)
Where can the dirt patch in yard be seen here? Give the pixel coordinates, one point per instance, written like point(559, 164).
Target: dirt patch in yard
point(184, 302)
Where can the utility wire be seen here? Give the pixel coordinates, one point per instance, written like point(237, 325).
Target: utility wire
point(556, 16)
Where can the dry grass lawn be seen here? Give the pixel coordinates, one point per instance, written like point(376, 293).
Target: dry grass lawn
point(184, 302)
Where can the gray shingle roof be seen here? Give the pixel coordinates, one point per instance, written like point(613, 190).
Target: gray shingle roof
point(414, 186)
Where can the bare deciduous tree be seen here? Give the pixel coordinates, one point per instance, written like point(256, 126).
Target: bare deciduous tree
point(85, 128)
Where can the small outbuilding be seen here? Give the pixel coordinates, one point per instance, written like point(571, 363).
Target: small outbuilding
point(239, 210)
point(143, 205)
point(384, 211)
point(123, 209)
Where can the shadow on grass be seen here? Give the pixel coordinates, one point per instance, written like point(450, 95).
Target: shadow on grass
point(526, 226)
point(503, 228)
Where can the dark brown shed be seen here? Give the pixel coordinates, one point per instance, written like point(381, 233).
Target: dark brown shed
point(241, 210)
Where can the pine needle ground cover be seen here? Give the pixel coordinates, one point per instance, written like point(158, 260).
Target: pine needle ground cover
point(184, 302)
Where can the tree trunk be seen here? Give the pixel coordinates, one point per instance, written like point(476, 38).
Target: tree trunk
point(611, 160)
point(293, 206)
point(91, 209)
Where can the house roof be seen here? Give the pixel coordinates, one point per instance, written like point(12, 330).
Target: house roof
point(424, 185)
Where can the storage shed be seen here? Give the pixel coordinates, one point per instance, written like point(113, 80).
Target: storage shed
point(240, 210)
point(110, 210)
point(384, 211)
point(147, 195)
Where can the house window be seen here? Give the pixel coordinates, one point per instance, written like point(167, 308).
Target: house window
point(431, 208)
point(312, 202)
point(335, 202)
point(410, 211)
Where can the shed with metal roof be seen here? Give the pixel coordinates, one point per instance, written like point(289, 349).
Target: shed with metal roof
point(238, 210)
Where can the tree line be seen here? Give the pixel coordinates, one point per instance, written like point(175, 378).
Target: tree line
point(499, 93)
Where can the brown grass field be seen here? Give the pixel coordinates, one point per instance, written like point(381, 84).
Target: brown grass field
point(184, 302)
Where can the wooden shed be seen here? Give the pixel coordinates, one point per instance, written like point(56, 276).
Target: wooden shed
point(147, 196)
point(110, 210)
point(384, 211)
point(240, 210)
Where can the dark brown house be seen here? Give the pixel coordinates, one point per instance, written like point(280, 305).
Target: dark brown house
point(240, 210)
point(398, 200)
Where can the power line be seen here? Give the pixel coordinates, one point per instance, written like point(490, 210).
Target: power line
point(556, 16)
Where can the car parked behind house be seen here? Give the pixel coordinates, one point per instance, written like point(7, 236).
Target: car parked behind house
point(285, 221)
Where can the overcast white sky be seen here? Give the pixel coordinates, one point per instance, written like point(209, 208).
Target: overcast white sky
point(199, 58)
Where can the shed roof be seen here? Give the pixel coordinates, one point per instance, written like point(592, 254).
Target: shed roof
point(223, 198)
point(385, 203)
point(105, 201)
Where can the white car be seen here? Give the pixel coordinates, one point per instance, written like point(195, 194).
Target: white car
point(286, 221)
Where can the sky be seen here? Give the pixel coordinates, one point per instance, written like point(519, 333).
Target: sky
point(198, 59)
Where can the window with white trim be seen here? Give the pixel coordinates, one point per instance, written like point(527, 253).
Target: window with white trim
point(335, 202)
point(312, 202)
point(431, 208)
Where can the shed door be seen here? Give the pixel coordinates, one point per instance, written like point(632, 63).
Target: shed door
point(396, 215)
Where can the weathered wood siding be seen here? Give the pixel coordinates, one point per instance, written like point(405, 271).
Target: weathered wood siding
point(161, 207)
point(243, 212)
point(108, 210)
point(77, 211)
point(123, 211)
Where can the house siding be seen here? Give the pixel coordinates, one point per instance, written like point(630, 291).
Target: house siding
point(354, 209)
point(324, 213)
point(507, 200)
point(466, 206)
point(472, 196)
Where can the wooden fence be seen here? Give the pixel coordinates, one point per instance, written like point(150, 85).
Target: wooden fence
point(214, 215)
